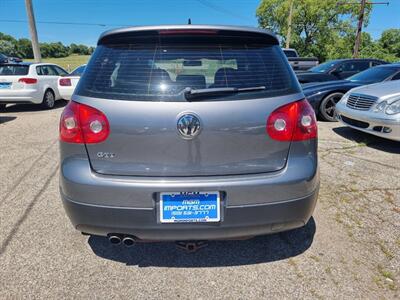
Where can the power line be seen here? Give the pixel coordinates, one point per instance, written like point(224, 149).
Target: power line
point(384, 2)
point(62, 23)
point(221, 9)
point(127, 25)
point(205, 3)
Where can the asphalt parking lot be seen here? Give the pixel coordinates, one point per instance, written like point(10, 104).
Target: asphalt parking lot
point(349, 249)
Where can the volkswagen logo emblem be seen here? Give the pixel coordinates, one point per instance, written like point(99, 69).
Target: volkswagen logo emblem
point(188, 126)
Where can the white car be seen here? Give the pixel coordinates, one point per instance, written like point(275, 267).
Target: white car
point(373, 108)
point(30, 83)
point(67, 84)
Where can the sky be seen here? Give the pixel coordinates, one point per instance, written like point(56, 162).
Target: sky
point(96, 16)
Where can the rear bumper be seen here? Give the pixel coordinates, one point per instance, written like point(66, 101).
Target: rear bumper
point(378, 124)
point(251, 204)
point(20, 96)
point(237, 221)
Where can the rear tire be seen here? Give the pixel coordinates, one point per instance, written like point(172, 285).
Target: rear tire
point(327, 110)
point(49, 99)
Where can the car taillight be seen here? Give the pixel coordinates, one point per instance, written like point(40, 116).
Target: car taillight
point(293, 122)
point(81, 123)
point(65, 82)
point(28, 80)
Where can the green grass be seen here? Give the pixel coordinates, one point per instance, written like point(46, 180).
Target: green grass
point(69, 63)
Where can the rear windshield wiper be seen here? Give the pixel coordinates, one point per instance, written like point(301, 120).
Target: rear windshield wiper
point(191, 94)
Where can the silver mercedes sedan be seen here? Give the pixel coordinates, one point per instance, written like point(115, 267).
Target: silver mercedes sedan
point(374, 109)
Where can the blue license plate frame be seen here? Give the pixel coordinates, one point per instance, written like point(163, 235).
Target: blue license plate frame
point(190, 207)
point(5, 85)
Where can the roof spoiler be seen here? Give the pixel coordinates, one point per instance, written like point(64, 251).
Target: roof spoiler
point(118, 35)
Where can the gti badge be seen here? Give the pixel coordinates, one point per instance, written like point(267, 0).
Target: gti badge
point(188, 126)
point(105, 155)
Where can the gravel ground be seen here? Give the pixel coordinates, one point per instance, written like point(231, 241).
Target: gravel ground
point(349, 249)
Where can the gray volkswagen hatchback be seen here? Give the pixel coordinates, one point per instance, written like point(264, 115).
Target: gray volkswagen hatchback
point(188, 133)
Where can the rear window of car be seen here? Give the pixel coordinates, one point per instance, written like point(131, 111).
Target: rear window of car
point(161, 71)
point(324, 67)
point(13, 70)
point(375, 74)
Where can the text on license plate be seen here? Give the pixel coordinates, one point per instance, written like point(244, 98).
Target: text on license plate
point(189, 207)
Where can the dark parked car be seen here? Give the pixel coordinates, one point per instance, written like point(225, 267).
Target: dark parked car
point(3, 59)
point(323, 96)
point(337, 69)
point(9, 59)
point(14, 59)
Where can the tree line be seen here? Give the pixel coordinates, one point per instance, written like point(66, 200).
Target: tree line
point(326, 29)
point(23, 48)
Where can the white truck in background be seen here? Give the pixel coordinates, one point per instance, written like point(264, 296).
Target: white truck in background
point(300, 63)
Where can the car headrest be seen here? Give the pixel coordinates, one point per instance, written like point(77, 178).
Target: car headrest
point(225, 77)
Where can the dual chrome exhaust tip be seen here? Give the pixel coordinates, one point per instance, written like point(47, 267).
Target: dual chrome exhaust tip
point(117, 239)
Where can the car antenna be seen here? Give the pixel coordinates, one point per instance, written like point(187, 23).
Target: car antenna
point(189, 21)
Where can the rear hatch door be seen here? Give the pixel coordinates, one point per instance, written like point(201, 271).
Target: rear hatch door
point(141, 89)
point(10, 74)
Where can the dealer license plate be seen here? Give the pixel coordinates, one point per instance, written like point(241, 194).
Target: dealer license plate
point(190, 207)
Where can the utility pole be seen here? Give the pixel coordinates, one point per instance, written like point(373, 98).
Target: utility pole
point(359, 29)
point(363, 4)
point(289, 29)
point(32, 30)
